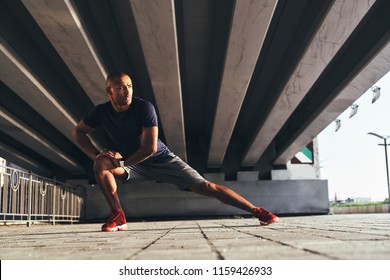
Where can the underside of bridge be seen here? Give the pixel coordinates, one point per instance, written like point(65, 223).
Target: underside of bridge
point(238, 85)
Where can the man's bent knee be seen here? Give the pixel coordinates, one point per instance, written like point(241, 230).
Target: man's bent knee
point(103, 163)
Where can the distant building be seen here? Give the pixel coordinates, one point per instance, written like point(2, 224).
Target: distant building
point(303, 166)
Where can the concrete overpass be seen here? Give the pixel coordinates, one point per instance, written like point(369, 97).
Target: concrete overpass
point(239, 85)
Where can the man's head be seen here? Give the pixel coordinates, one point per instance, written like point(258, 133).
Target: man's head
point(120, 89)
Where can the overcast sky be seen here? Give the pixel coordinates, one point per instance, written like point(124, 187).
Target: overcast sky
point(350, 159)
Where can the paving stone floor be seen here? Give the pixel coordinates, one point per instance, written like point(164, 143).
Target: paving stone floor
point(322, 237)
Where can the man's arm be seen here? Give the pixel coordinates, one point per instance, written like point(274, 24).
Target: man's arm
point(79, 133)
point(149, 138)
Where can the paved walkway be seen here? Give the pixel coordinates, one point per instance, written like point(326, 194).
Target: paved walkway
point(324, 237)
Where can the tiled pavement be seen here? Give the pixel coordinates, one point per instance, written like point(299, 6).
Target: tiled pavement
point(323, 237)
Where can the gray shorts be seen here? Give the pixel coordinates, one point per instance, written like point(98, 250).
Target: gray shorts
point(173, 170)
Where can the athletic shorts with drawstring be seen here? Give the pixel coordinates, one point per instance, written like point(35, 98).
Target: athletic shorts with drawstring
point(171, 170)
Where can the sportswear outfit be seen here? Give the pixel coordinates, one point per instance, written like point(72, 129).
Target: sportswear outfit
point(125, 129)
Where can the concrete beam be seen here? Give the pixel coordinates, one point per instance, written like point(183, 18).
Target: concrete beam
point(21, 159)
point(18, 77)
point(156, 25)
point(60, 22)
point(16, 74)
point(20, 131)
point(338, 25)
point(250, 24)
point(363, 81)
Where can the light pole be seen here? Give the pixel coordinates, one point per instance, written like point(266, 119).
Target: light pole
point(384, 138)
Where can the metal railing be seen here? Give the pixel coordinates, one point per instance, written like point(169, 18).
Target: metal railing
point(26, 198)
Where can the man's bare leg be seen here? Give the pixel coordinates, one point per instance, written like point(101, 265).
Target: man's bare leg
point(105, 173)
point(223, 194)
point(230, 197)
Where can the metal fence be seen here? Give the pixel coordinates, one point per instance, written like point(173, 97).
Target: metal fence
point(26, 198)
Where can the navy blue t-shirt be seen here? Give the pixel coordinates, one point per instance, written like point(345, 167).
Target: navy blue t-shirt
point(125, 128)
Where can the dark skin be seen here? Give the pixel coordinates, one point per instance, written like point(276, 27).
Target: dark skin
point(106, 162)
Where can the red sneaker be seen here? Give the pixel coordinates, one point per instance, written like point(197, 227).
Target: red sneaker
point(116, 221)
point(265, 217)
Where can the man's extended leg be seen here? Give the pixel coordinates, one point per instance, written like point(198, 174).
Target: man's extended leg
point(105, 173)
point(230, 197)
point(223, 194)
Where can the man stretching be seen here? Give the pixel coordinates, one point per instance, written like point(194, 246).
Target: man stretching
point(132, 124)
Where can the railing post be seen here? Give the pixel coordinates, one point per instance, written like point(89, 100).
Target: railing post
point(29, 205)
point(54, 204)
point(32, 204)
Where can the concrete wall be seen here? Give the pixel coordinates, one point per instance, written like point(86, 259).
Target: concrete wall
point(358, 209)
point(153, 199)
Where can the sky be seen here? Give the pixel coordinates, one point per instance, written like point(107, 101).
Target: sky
point(350, 159)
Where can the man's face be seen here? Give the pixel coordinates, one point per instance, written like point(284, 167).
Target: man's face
point(121, 91)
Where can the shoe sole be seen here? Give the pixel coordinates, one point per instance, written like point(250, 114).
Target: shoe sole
point(118, 228)
point(273, 220)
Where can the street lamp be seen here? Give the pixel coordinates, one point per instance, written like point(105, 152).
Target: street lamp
point(376, 93)
point(384, 138)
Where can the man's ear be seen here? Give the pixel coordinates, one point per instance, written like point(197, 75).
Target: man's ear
point(108, 90)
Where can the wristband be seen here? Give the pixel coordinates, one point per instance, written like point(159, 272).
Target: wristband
point(122, 163)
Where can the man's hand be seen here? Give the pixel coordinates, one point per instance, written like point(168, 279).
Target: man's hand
point(114, 156)
point(111, 154)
